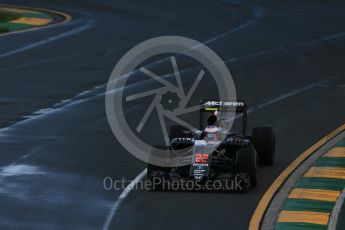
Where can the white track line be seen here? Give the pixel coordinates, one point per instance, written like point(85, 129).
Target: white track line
point(336, 211)
point(88, 24)
point(284, 96)
point(121, 198)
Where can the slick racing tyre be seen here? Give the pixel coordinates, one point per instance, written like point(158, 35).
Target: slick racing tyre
point(263, 139)
point(246, 159)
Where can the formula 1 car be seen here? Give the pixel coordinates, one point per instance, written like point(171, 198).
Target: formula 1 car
point(218, 161)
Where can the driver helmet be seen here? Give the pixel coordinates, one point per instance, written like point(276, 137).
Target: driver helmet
point(212, 132)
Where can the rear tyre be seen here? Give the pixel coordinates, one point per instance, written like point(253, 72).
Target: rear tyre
point(263, 139)
point(246, 159)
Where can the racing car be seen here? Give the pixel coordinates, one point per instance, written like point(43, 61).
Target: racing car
point(216, 154)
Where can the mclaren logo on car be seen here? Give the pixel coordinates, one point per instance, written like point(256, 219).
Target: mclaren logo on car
point(224, 103)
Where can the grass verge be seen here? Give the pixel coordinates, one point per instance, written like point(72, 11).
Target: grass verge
point(6, 17)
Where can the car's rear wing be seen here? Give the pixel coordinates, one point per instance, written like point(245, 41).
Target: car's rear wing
point(236, 106)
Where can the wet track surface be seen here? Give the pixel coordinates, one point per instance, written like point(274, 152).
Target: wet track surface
point(287, 61)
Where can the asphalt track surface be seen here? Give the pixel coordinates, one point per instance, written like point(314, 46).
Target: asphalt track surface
point(287, 60)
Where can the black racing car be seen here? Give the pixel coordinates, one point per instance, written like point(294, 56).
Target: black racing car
point(220, 160)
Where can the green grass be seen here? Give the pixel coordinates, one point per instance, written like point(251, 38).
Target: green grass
point(299, 226)
point(308, 205)
point(3, 30)
point(6, 16)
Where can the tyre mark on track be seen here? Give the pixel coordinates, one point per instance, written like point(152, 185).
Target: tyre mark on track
point(87, 25)
point(94, 92)
point(256, 11)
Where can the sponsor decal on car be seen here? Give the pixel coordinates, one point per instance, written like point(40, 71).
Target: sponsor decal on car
point(224, 103)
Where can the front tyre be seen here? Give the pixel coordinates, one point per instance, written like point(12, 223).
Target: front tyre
point(246, 159)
